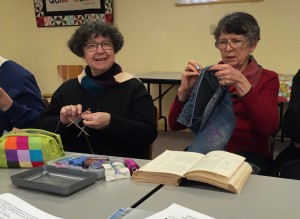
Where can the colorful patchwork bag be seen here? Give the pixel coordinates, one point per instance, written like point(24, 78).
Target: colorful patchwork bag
point(28, 148)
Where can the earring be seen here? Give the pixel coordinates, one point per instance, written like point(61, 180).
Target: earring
point(250, 55)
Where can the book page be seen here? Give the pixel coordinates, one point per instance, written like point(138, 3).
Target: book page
point(219, 162)
point(176, 211)
point(175, 162)
point(12, 207)
point(233, 184)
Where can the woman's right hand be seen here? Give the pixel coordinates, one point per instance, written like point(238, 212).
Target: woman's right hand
point(188, 81)
point(69, 113)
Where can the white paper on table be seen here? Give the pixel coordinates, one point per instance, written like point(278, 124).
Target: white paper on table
point(12, 207)
point(176, 211)
point(116, 170)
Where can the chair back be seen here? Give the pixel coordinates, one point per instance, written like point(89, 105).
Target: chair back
point(67, 72)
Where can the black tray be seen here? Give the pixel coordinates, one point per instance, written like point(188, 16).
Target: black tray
point(51, 179)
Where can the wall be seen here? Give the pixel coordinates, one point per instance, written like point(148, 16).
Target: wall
point(158, 36)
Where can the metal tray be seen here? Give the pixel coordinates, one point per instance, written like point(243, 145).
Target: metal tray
point(99, 172)
point(54, 180)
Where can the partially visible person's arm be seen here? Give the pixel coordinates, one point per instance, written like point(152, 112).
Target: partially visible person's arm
point(26, 105)
point(174, 112)
point(291, 120)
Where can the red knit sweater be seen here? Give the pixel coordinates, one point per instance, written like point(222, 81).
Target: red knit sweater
point(256, 116)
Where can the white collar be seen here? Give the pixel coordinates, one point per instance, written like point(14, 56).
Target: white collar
point(2, 60)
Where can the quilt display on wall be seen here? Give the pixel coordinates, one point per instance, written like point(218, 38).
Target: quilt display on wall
point(51, 13)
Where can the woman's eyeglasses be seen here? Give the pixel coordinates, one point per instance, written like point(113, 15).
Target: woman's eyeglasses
point(91, 47)
point(222, 44)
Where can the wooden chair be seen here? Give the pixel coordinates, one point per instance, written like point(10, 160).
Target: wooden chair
point(67, 72)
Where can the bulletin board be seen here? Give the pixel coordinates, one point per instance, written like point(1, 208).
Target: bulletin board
point(53, 13)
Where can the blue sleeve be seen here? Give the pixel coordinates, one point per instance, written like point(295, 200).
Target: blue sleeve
point(27, 103)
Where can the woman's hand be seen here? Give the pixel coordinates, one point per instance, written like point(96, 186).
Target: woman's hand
point(98, 120)
point(70, 113)
point(5, 100)
point(189, 78)
point(229, 76)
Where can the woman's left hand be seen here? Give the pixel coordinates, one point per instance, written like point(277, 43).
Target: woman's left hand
point(98, 120)
point(229, 76)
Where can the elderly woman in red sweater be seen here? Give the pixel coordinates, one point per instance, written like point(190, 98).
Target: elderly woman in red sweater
point(254, 89)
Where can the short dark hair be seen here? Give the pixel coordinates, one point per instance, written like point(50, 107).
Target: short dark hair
point(239, 23)
point(94, 29)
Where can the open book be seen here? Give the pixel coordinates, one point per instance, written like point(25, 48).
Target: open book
point(219, 168)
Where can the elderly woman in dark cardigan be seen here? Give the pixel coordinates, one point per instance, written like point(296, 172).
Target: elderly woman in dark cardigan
point(105, 110)
point(287, 163)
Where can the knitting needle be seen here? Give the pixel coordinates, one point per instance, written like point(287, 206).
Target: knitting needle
point(75, 120)
point(198, 68)
point(75, 123)
point(81, 128)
